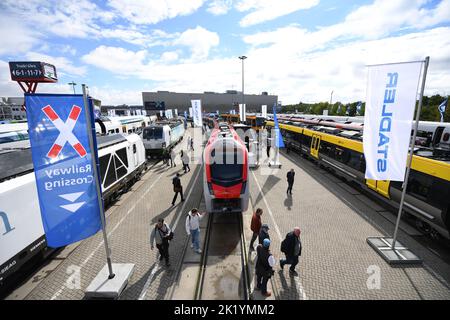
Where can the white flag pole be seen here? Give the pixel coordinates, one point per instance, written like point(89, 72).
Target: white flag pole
point(97, 185)
point(411, 151)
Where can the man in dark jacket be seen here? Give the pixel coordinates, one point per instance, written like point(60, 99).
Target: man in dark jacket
point(263, 233)
point(177, 188)
point(263, 268)
point(292, 248)
point(290, 179)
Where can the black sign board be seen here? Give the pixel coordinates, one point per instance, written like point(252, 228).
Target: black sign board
point(154, 105)
point(34, 71)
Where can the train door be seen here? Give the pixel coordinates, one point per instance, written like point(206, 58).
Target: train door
point(380, 186)
point(315, 144)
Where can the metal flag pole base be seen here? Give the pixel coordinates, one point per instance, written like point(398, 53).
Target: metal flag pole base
point(394, 256)
point(102, 287)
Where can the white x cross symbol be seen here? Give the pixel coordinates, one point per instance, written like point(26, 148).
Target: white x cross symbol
point(65, 131)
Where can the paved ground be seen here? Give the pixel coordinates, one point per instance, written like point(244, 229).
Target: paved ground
point(128, 226)
point(335, 219)
point(336, 261)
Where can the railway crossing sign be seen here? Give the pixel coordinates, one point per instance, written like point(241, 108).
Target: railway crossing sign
point(63, 166)
point(31, 73)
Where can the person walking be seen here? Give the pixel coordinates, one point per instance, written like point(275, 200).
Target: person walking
point(255, 226)
point(185, 159)
point(193, 228)
point(290, 179)
point(264, 267)
point(173, 156)
point(291, 246)
point(192, 144)
point(166, 157)
point(177, 188)
point(263, 233)
point(161, 234)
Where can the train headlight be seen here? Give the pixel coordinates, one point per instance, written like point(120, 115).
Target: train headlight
point(211, 191)
point(244, 185)
point(163, 144)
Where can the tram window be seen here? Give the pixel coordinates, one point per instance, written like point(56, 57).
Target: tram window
point(110, 177)
point(419, 185)
point(121, 170)
point(122, 153)
point(355, 160)
point(446, 137)
point(307, 140)
point(134, 148)
point(439, 193)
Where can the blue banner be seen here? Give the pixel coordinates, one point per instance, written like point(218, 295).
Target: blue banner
point(63, 167)
point(278, 138)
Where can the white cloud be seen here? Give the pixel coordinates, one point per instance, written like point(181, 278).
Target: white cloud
point(61, 63)
point(169, 56)
point(291, 73)
point(219, 7)
point(15, 38)
point(116, 59)
point(266, 10)
point(154, 11)
point(199, 40)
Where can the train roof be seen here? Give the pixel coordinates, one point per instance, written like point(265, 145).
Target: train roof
point(109, 140)
point(15, 162)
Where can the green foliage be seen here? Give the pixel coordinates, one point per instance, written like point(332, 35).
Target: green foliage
point(429, 110)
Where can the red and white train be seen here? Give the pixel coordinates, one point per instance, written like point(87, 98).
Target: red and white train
point(226, 173)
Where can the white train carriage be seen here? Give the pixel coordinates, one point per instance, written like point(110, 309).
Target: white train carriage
point(161, 136)
point(122, 161)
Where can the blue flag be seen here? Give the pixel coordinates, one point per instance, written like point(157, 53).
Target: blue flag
point(278, 138)
point(358, 108)
point(442, 108)
point(63, 166)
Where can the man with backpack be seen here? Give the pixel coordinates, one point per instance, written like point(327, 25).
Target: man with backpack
point(263, 268)
point(162, 234)
point(263, 233)
point(193, 228)
point(291, 246)
point(177, 188)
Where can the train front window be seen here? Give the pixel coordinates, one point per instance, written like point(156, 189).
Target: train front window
point(153, 133)
point(225, 168)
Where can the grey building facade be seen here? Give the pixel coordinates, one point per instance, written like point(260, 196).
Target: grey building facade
point(211, 101)
point(11, 108)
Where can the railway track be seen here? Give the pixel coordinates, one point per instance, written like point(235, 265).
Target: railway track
point(223, 266)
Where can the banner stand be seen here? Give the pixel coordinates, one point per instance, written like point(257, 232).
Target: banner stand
point(391, 250)
point(106, 284)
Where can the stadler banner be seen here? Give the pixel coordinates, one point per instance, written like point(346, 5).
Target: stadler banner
point(390, 103)
point(63, 167)
point(197, 112)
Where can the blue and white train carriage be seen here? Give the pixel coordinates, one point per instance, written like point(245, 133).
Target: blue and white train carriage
point(162, 136)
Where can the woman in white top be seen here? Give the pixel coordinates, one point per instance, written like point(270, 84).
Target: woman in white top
point(193, 228)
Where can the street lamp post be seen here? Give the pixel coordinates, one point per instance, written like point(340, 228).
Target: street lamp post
point(243, 105)
point(73, 84)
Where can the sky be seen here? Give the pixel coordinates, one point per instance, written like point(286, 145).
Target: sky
point(300, 50)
